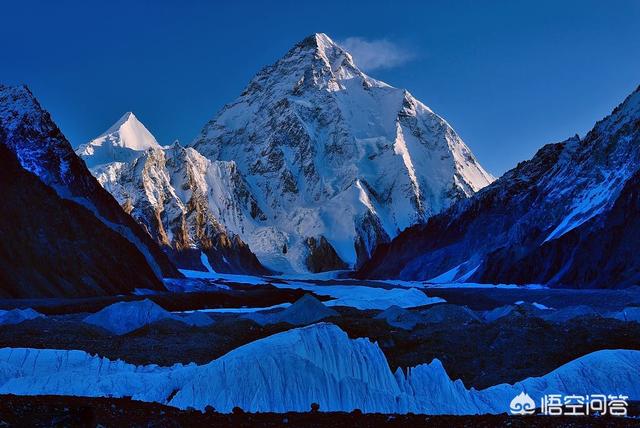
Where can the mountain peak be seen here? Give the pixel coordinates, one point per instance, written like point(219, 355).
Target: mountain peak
point(122, 142)
point(317, 41)
point(322, 144)
point(318, 51)
point(126, 120)
point(18, 105)
point(131, 133)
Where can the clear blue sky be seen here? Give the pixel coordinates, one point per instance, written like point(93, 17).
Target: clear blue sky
point(509, 76)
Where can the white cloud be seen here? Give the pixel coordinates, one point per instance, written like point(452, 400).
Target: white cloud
point(375, 54)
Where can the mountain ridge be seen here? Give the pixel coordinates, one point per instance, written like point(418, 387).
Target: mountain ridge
point(63, 255)
point(328, 151)
point(547, 221)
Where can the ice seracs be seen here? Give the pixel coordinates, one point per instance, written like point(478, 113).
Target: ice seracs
point(16, 316)
point(315, 364)
point(125, 317)
point(305, 310)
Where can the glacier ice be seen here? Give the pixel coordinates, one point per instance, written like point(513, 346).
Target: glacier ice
point(290, 370)
point(305, 310)
point(125, 317)
point(16, 316)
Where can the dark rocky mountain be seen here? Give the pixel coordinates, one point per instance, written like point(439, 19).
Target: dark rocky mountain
point(29, 132)
point(569, 217)
point(54, 247)
point(62, 233)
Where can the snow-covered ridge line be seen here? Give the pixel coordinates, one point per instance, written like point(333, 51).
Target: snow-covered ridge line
point(122, 142)
point(329, 152)
point(313, 166)
point(318, 363)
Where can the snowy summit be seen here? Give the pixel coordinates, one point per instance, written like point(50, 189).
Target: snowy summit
point(338, 161)
point(122, 142)
point(309, 169)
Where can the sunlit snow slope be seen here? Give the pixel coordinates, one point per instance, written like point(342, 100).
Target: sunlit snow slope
point(336, 160)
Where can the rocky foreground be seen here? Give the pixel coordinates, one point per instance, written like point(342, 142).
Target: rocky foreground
point(55, 411)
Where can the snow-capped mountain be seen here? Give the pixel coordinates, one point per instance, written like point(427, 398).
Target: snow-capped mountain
point(63, 234)
point(184, 201)
point(568, 217)
point(291, 370)
point(337, 161)
point(122, 142)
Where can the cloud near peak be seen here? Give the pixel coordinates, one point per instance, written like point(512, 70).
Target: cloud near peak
point(374, 54)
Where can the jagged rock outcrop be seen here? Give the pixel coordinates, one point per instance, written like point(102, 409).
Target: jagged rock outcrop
point(322, 257)
point(569, 217)
point(184, 201)
point(329, 152)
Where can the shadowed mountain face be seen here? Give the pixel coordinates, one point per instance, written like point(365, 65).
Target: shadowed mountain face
point(569, 217)
point(53, 247)
point(29, 132)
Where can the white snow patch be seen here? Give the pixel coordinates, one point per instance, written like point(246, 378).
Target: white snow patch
point(362, 297)
point(242, 310)
point(205, 262)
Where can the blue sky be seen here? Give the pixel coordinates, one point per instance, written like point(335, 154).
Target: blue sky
point(509, 76)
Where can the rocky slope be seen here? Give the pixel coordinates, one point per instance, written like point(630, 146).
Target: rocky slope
point(569, 217)
point(53, 247)
point(41, 148)
point(182, 199)
point(337, 162)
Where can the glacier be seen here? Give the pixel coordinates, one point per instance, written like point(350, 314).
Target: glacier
point(124, 317)
point(290, 370)
point(359, 296)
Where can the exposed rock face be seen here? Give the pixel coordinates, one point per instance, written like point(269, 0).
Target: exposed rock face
point(184, 200)
point(55, 247)
point(569, 217)
point(329, 152)
point(29, 132)
point(322, 257)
